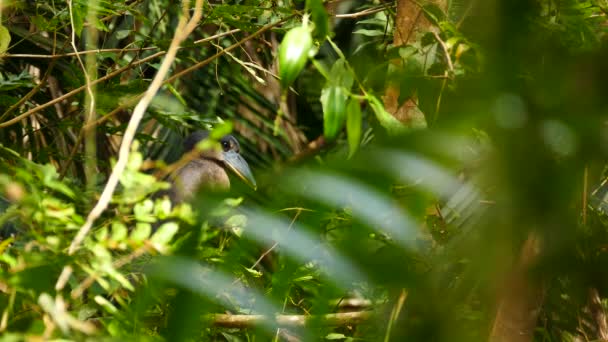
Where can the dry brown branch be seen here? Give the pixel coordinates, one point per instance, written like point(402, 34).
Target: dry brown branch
point(107, 77)
point(31, 92)
point(171, 79)
point(228, 49)
point(72, 54)
point(312, 148)
point(185, 26)
point(247, 321)
point(97, 51)
point(77, 90)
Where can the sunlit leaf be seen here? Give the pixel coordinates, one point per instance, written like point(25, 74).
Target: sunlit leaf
point(353, 125)
point(5, 39)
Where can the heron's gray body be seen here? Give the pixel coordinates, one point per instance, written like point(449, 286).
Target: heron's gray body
point(209, 170)
point(198, 175)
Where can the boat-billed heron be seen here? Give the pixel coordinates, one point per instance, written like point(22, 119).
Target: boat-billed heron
point(210, 169)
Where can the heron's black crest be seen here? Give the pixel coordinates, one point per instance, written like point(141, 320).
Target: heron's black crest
point(229, 142)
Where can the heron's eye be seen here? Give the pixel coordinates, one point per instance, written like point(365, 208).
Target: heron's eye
point(225, 146)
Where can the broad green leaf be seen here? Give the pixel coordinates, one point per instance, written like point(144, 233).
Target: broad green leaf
point(119, 231)
point(79, 13)
point(5, 39)
point(319, 17)
point(433, 13)
point(333, 100)
point(165, 233)
point(141, 232)
point(353, 125)
point(341, 75)
point(143, 211)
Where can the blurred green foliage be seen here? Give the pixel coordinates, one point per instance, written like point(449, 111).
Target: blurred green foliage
point(364, 226)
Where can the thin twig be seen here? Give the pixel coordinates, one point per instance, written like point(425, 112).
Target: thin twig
point(585, 193)
point(109, 76)
point(257, 262)
point(31, 92)
point(90, 280)
point(446, 52)
point(72, 54)
point(444, 82)
point(365, 12)
point(230, 48)
point(395, 314)
point(84, 69)
point(97, 51)
point(184, 28)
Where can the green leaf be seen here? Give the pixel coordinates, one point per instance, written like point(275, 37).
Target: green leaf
point(392, 125)
point(220, 130)
point(5, 39)
point(335, 336)
point(143, 211)
point(319, 17)
point(253, 272)
point(106, 304)
point(165, 233)
point(79, 11)
point(122, 34)
point(119, 231)
point(333, 101)
point(433, 13)
point(353, 125)
point(141, 232)
point(341, 75)
point(370, 33)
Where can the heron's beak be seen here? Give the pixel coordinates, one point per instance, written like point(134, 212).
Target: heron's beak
point(239, 166)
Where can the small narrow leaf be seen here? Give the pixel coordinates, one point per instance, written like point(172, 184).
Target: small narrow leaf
point(392, 125)
point(341, 75)
point(353, 125)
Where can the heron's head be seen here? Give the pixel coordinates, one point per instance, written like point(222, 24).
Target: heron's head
point(228, 155)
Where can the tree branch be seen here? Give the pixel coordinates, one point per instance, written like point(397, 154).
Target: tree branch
point(247, 321)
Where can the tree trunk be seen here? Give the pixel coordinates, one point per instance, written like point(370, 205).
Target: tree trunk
point(520, 301)
point(410, 23)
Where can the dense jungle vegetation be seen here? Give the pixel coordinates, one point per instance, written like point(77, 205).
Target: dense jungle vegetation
point(427, 170)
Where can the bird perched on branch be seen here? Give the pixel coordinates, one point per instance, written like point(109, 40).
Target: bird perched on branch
point(210, 168)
